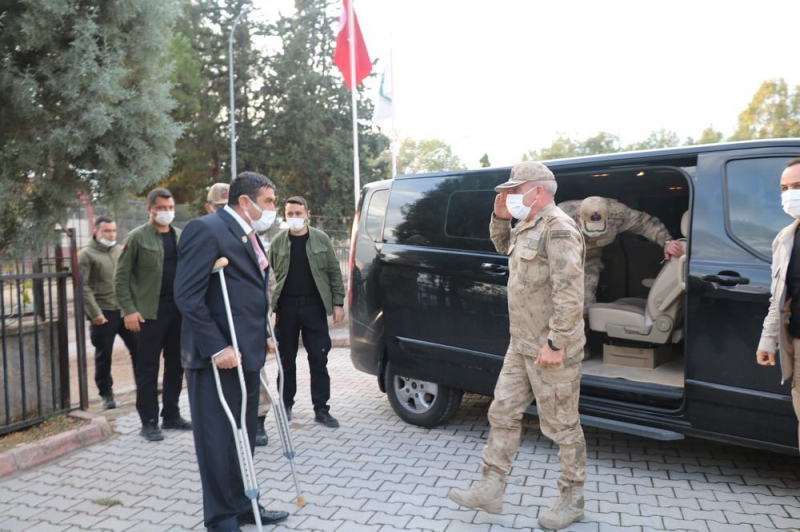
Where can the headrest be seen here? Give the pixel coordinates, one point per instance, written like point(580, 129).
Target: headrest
point(685, 224)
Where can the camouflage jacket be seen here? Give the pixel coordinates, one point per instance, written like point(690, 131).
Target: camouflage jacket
point(545, 283)
point(621, 218)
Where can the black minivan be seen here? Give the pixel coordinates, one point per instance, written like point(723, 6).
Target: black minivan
point(427, 292)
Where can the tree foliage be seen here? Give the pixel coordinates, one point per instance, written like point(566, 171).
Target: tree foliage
point(658, 139)
point(305, 140)
point(774, 112)
point(431, 155)
point(485, 161)
point(84, 107)
point(565, 146)
point(200, 76)
point(708, 136)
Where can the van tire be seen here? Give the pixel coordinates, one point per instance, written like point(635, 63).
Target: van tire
point(421, 403)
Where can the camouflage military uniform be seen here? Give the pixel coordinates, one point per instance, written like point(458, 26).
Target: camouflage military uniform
point(620, 219)
point(545, 301)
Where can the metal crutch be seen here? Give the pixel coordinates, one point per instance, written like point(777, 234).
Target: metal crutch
point(280, 415)
point(239, 433)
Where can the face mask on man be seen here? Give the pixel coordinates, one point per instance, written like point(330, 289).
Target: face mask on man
point(296, 224)
point(517, 208)
point(790, 200)
point(265, 221)
point(107, 243)
point(164, 217)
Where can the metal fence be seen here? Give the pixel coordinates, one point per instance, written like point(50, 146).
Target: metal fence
point(40, 300)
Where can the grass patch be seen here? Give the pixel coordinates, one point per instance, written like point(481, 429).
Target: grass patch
point(50, 426)
point(107, 502)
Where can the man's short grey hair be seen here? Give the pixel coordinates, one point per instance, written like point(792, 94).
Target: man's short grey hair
point(550, 186)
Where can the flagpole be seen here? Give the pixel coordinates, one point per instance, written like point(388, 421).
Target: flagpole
point(394, 130)
point(351, 37)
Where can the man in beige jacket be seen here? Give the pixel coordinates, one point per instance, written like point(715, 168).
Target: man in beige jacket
point(782, 324)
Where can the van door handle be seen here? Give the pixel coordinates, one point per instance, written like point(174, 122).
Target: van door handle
point(494, 269)
point(726, 278)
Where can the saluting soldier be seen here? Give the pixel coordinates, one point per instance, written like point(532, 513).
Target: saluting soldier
point(543, 361)
point(601, 220)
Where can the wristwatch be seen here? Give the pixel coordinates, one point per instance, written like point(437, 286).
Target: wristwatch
point(554, 348)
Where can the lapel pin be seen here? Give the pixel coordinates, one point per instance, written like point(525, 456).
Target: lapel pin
point(244, 240)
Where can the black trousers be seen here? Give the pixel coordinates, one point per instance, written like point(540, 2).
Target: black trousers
point(161, 334)
point(102, 337)
point(312, 323)
point(217, 458)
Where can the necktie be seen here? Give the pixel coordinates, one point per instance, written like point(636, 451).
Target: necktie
point(262, 260)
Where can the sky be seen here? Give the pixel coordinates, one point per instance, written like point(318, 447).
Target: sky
point(508, 76)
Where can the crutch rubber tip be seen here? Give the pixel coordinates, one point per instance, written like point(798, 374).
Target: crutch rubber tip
point(301, 501)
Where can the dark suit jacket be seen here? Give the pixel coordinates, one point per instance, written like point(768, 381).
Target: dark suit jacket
point(199, 296)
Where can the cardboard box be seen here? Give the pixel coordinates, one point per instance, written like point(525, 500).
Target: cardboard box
point(637, 357)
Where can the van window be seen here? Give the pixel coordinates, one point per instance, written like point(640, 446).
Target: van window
point(415, 215)
point(375, 213)
point(451, 211)
point(467, 219)
point(754, 211)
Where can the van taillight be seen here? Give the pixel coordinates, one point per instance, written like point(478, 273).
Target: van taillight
point(351, 260)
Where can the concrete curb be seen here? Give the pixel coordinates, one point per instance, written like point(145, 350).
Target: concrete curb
point(34, 454)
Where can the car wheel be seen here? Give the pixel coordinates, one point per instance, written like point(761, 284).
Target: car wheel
point(419, 402)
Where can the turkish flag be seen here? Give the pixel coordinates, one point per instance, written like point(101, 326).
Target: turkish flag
point(341, 55)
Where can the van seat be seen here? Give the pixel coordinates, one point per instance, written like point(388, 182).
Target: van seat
point(652, 320)
point(602, 314)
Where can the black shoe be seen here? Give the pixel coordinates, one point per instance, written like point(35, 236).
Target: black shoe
point(151, 432)
point(288, 410)
point(108, 401)
point(261, 435)
point(324, 418)
point(267, 517)
point(176, 424)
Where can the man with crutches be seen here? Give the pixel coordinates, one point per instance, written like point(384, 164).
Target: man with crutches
point(229, 496)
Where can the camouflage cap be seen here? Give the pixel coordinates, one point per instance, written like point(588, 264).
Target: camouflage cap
point(594, 214)
point(527, 171)
point(218, 194)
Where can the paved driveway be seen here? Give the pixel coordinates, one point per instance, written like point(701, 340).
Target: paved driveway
point(377, 473)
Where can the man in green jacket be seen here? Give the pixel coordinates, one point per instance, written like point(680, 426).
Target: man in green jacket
point(144, 284)
point(308, 289)
point(97, 262)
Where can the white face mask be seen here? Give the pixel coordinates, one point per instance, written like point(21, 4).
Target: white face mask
point(791, 202)
point(164, 217)
point(107, 243)
point(265, 221)
point(517, 208)
point(296, 224)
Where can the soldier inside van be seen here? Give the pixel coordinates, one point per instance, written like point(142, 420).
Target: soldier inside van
point(600, 221)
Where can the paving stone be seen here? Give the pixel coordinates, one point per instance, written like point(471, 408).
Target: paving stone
point(681, 524)
point(428, 524)
point(702, 515)
point(713, 526)
point(377, 473)
point(637, 520)
point(784, 523)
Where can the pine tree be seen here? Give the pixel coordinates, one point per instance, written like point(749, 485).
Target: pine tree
point(84, 107)
point(306, 142)
point(199, 52)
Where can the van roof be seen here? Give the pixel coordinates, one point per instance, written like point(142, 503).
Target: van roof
point(633, 157)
